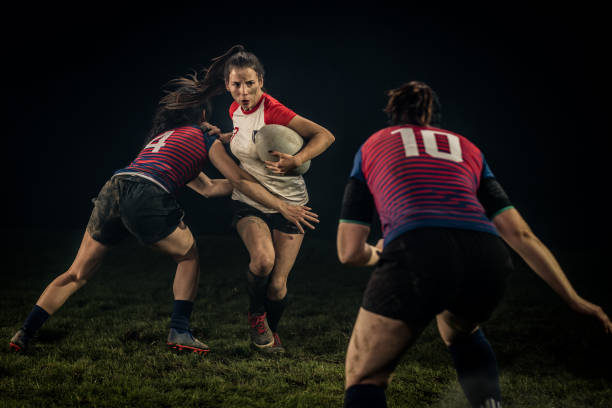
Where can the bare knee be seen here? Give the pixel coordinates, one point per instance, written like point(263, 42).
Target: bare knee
point(375, 347)
point(359, 368)
point(359, 373)
point(262, 263)
point(277, 289)
point(380, 380)
point(190, 255)
point(453, 328)
point(180, 244)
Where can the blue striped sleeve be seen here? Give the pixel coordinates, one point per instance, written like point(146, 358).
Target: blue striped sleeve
point(486, 170)
point(356, 171)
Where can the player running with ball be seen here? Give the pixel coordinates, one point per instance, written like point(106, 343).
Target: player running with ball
point(272, 243)
point(444, 216)
point(139, 200)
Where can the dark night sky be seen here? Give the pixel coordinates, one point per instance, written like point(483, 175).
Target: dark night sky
point(529, 90)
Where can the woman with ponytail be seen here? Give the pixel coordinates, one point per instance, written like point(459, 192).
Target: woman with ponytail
point(139, 199)
point(445, 218)
point(272, 243)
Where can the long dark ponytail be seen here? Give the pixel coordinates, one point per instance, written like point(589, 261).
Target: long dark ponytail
point(187, 96)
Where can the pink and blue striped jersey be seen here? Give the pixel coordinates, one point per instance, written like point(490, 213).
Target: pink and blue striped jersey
point(172, 158)
point(423, 177)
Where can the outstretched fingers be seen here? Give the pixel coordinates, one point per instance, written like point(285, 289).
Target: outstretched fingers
point(299, 226)
point(587, 308)
point(301, 216)
point(306, 223)
point(605, 320)
point(307, 214)
point(598, 313)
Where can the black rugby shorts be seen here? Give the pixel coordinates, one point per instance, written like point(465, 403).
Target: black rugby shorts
point(133, 205)
point(428, 270)
point(275, 221)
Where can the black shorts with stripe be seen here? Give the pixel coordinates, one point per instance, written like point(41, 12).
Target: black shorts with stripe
point(129, 204)
point(428, 270)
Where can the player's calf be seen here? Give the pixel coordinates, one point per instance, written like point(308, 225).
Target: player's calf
point(477, 372)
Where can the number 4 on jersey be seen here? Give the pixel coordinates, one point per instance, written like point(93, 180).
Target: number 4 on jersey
point(411, 148)
point(160, 141)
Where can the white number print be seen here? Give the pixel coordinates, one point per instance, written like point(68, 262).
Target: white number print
point(411, 148)
point(159, 141)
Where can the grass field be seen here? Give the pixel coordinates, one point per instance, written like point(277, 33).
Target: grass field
point(106, 346)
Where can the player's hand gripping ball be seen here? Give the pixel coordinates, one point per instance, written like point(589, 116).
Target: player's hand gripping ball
point(282, 139)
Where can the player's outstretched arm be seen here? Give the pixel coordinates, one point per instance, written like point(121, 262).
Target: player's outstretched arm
point(318, 139)
point(515, 231)
point(208, 187)
point(243, 181)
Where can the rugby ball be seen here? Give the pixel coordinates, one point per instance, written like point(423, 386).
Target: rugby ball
point(280, 139)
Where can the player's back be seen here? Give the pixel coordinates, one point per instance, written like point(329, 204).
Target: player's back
point(172, 158)
point(423, 177)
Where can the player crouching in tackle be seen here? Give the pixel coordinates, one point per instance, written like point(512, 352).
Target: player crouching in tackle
point(139, 200)
point(444, 216)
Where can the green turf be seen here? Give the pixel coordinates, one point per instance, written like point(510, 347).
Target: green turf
point(106, 346)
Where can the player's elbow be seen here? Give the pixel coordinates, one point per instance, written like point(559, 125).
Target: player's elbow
point(343, 258)
point(224, 188)
point(330, 137)
point(514, 229)
point(524, 236)
point(204, 191)
point(199, 188)
point(351, 243)
point(349, 256)
point(518, 236)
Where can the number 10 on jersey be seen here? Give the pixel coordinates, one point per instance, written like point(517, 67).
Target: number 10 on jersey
point(411, 147)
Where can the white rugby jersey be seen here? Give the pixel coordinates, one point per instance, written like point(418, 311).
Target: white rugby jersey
point(246, 123)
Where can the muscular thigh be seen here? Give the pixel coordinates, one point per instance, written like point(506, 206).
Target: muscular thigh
point(178, 243)
point(375, 347)
point(286, 246)
point(256, 235)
